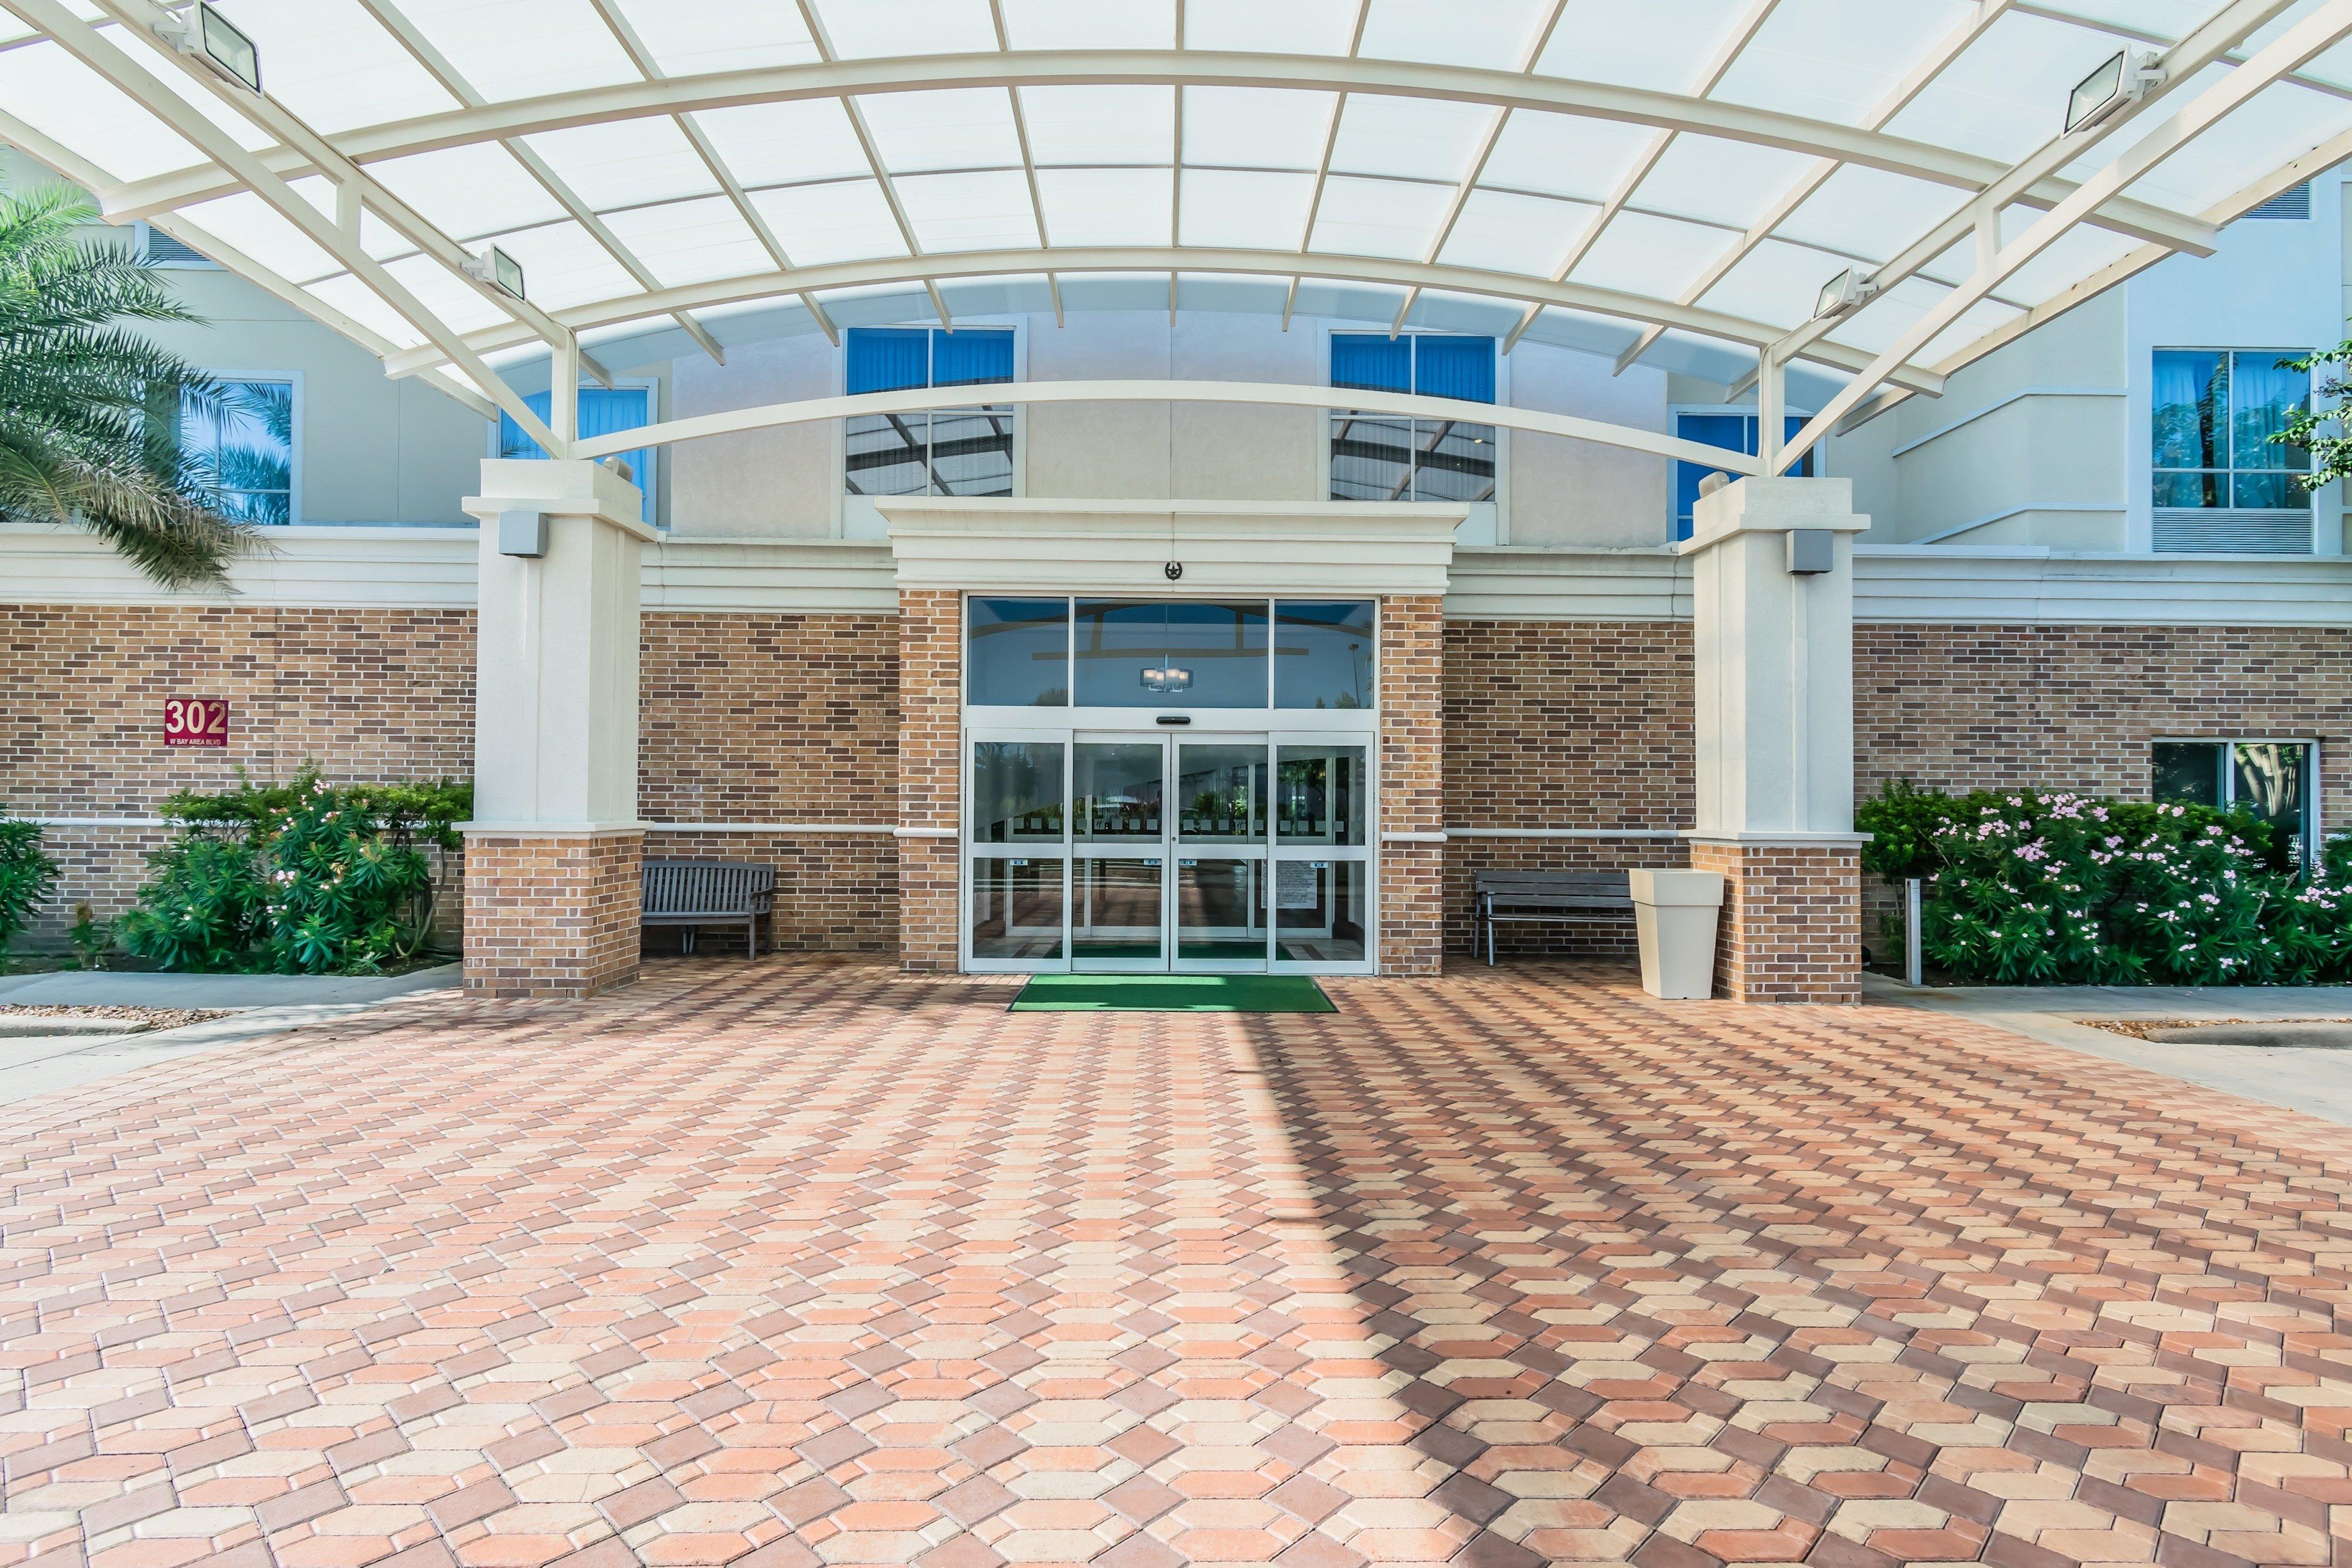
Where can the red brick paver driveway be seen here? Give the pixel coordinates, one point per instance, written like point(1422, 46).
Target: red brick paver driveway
point(807, 1262)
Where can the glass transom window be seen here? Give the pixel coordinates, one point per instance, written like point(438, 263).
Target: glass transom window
point(1385, 457)
point(934, 452)
point(1170, 654)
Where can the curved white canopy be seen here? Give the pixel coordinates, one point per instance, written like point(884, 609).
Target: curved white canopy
point(1646, 177)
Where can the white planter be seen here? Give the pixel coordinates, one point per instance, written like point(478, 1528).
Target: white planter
point(1675, 913)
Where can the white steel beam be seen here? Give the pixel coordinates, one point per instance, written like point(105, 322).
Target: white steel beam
point(1247, 263)
point(453, 81)
point(1322, 163)
point(1953, 44)
point(353, 185)
point(102, 55)
point(825, 55)
point(915, 400)
point(2206, 46)
point(1028, 162)
point(1482, 155)
point(1743, 33)
point(1335, 74)
point(2317, 33)
point(626, 34)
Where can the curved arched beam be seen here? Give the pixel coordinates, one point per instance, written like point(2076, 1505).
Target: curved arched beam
point(1160, 68)
point(1516, 288)
point(1280, 394)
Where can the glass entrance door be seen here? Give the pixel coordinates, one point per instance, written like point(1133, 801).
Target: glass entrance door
point(1119, 850)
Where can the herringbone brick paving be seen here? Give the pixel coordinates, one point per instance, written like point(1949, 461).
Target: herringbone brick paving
point(811, 1261)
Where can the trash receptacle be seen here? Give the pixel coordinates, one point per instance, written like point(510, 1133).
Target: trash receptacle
point(1674, 913)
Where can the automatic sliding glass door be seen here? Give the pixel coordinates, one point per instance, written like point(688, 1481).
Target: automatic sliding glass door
point(1220, 799)
point(1118, 914)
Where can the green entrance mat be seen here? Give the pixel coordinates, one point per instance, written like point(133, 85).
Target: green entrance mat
point(1173, 994)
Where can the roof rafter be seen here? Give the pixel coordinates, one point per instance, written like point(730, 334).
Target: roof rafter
point(1322, 164)
point(1028, 162)
point(1743, 32)
point(828, 55)
point(108, 59)
point(1955, 44)
point(1163, 258)
point(2317, 33)
point(453, 81)
point(625, 33)
point(1402, 79)
point(1537, 44)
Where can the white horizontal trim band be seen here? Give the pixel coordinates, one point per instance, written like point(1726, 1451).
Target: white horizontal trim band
point(1566, 832)
point(1995, 407)
point(790, 828)
point(923, 832)
point(94, 822)
point(1412, 838)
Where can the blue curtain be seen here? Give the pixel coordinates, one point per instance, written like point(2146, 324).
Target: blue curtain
point(601, 413)
point(1732, 431)
point(1455, 367)
point(2190, 387)
point(966, 358)
point(1373, 361)
point(887, 359)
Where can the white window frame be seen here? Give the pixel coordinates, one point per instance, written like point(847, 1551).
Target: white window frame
point(1064, 725)
point(1473, 532)
point(649, 482)
point(2147, 438)
point(2314, 829)
point(853, 516)
point(295, 379)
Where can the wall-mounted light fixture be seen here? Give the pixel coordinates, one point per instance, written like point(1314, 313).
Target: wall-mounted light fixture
point(2122, 80)
point(216, 40)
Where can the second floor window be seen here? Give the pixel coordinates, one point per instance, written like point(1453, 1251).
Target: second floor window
point(241, 446)
point(2215, 411)
point(1732, 431)
point(1384, 458)
point(604, 410)
point(947, 451)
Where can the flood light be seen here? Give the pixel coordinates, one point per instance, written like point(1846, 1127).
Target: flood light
point(1847, 291)
point(2119, 81)
point(216, 40)
point(497, 268)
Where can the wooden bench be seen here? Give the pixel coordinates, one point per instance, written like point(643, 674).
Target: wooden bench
point(1544, 897)
point(712, 892)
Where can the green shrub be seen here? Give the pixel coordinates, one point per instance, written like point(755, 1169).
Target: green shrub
point(296, 878)
point(2028, 888)
point(26, 877)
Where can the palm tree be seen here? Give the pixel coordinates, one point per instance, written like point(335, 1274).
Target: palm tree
point(89, 411)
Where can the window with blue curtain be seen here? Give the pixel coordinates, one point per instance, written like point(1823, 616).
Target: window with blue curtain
point(1386, 457)
point(1733, 432)
point(2214, 412)
point(602, 412)
point(934, 452)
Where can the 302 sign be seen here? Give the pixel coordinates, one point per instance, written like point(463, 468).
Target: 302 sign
point(195, 721)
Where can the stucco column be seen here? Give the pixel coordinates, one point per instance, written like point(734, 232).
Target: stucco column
point(930, 774)
point(1772, 603)
point(1412, 784)
point(553, 853)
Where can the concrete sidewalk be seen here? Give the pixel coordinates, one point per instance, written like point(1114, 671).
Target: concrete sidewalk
point(2314, 1080)
point(257, 1005)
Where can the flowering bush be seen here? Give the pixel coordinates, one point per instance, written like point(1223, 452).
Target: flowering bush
point(299, 878)
point(2028, 888)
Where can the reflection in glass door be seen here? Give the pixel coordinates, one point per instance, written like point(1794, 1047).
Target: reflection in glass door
point(1220, 860)
point(1119, 834)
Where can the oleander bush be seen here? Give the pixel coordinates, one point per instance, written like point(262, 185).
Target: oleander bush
point(300, 878)
point(2028, 888)
point(26, 877)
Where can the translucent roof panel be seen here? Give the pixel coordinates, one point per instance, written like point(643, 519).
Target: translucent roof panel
point(1705, 164)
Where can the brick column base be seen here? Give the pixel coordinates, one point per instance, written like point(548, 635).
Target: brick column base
point(927, 906)
point(553, 916)
point(1791, 926)
point(1412, 909)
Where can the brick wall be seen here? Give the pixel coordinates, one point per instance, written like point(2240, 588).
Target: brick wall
point(1563, 723)
point(373, 695)
point(931, 729)
point(1789, 929)
point(776, 718)
point(1413, 783)
point(552, 916)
